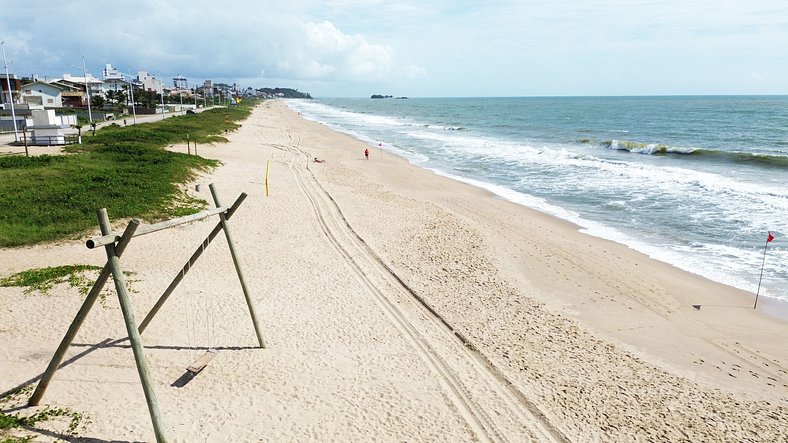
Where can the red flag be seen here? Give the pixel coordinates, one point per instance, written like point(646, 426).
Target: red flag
point(770, 237)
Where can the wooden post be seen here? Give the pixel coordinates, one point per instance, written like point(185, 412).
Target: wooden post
point(24, 136)
point(131, 328)
point(188, 265)
point(238, 270)
point(267, 170)
point(54, 364)
point(188, 147)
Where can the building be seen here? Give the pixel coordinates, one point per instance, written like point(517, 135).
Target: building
point(45, 94)
point(79, 88)
point(16, 88)
point(113, 79)
point(111, 73)
point(149, 82)
point(207, 88)
point(180, 82)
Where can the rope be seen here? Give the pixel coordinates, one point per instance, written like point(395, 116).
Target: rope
point(190, 330)
point(212, 324)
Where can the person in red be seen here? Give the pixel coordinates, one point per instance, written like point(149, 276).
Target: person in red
point(366, 153)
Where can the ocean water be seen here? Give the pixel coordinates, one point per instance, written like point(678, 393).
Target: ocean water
point(696, 182)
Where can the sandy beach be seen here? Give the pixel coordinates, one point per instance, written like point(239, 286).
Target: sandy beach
point(397, 305)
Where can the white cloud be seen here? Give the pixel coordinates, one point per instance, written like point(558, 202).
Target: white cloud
point(199, 40)
point(412, 71)
point(416, 46)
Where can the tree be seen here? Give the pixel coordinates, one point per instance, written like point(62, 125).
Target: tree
point(145, 99)
point(98, 101)
point(121, 98)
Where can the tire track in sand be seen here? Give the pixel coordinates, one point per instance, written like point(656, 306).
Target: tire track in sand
point(491, 406)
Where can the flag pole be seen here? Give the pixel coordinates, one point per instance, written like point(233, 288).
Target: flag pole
point(766, 246)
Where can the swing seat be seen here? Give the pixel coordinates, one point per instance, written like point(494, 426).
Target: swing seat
point(201, 362)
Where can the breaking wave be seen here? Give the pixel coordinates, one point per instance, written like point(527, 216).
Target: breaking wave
point(768, 160)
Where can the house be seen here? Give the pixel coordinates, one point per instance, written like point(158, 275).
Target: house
point(94, 87)
point(72, 95)
point(45, 94)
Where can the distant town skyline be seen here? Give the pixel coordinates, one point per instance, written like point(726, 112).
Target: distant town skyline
point(355, 48)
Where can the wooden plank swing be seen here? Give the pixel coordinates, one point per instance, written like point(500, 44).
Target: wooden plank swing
point(114, 246)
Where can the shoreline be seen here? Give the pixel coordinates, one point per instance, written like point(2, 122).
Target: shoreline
point(774, 307)
point(534, 332)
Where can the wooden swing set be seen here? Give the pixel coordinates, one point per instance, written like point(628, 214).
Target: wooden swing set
point(114, 246)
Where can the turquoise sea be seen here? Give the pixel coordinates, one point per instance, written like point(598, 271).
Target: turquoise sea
point(696, 182)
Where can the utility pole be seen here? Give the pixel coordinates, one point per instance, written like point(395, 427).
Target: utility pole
point(10, 92)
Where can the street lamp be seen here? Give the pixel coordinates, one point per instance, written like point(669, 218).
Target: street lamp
point(162, 97)
point(10, 92)
point(131, 91)
point(87, 90)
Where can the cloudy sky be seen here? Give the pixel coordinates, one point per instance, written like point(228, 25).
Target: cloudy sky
point(417, 48)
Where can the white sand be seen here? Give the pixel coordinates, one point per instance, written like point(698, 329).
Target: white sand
point(568, 337)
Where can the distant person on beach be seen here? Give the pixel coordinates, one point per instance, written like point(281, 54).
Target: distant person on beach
point(366, 153)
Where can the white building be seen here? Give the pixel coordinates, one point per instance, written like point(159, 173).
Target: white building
point(94, 85)
point(113, 79)
point(149, 82)
point(180, 82)
point(111, 73)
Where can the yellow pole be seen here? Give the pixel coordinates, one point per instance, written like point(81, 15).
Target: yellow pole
point(267, 170)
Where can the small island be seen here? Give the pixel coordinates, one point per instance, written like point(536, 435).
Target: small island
point(386, 96)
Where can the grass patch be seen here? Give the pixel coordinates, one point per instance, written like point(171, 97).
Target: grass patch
point(124, 169)
point(10, 424)
point(43, 279)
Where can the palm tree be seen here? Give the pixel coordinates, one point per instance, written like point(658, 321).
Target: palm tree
point(79, 130)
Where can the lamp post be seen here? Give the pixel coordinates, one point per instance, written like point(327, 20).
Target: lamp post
point(131, 91)
point(161, 87)
point(87, 89)
point(10, 92)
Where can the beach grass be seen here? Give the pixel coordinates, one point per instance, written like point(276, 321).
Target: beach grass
point(11, 423)
point(122, 168)
point(43, 279)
